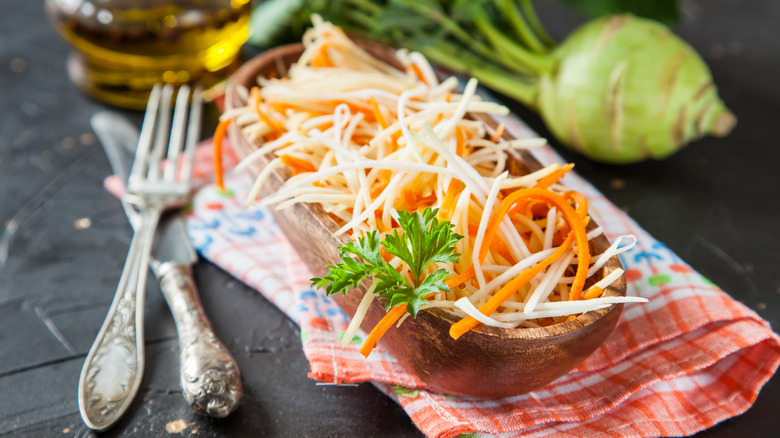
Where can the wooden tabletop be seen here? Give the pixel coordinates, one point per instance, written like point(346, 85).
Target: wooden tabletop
point(65, 239)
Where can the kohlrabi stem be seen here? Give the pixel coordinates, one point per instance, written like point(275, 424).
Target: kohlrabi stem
point(464, 55)
point(519, 25)
point(536, 25)
point(366, 5)
point(520, 88)
point(538, 64)
point(498, 80)
point(452, 28)
point(360, 19)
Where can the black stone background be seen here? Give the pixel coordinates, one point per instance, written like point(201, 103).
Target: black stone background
point(714, 203)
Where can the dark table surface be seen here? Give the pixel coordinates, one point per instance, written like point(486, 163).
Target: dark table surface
point(714, 203)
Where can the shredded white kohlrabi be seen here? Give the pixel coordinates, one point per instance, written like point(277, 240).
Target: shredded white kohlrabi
point(364, 139)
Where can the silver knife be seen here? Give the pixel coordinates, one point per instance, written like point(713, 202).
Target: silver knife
point(210, 378)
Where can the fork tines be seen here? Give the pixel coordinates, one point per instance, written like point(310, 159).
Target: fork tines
point(152, 154)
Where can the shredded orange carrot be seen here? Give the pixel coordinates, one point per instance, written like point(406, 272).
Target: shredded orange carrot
point(461, 278)
point(496, 244)
point(574, 221)
point(383, 325)
point(499, 132)
point(394, 139)
point(354, 108)
point(255, 95)
point(464, 325)
point(381, 225)
point(561, 234)
point(386, 175)
point(502, 249)
point(281, 107)
point(321, 58)
point(553, 176)
point(219, 136)
point(445, 211)
point(545, 183)
point(410, 197)
point(581, 204)
point(423, 201)
point(378, 114)
point(539, 209)
point(459, 141)
point(362, 139)
point(593, 292)
point(535, 203)
point(419, 73)
point(378, 190)
point(382, 182)
point(322, 126)
point(297, 163)
point(381, 328)
point(573, 218)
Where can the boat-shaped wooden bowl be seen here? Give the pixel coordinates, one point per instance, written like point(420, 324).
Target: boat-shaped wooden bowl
point(485, 362)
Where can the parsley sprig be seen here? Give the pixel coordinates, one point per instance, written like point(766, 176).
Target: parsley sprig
point(424, 240)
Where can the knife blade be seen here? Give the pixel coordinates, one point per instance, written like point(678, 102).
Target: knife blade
point(209, 375)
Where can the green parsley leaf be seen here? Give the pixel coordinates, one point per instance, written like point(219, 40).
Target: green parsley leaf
point(415, 297)
point(342, 277)
point(367, 248)
point(389, 279)
point(349, 273)
point(424, 240)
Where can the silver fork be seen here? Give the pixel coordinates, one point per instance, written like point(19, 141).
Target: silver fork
point(112, 372)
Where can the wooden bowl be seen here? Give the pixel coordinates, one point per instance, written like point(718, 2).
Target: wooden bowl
point(485, 362)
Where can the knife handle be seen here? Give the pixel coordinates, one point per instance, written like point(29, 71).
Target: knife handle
point(210, 378)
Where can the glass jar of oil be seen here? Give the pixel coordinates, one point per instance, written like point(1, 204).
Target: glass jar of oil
point(123, 47)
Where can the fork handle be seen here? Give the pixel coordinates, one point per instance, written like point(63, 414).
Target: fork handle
point(210, 378)
point(112, 372)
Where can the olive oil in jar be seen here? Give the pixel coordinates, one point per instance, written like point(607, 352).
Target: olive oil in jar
point(123, 47)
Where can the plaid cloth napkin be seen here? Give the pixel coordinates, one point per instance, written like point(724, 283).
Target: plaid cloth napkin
point(683, 362)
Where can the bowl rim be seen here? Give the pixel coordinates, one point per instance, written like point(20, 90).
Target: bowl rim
point(246, 75)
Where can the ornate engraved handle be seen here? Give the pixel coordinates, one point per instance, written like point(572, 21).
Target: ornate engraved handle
point(112, 372)
point(210, 379)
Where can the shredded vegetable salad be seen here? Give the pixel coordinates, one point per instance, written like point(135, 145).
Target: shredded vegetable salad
point(366, 140)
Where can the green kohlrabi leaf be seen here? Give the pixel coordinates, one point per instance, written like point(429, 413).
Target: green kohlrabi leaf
point(465, 10)
point(398, 17)
point(270, 19)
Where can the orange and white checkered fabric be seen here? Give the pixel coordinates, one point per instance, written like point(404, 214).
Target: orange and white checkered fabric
point(686, 360)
